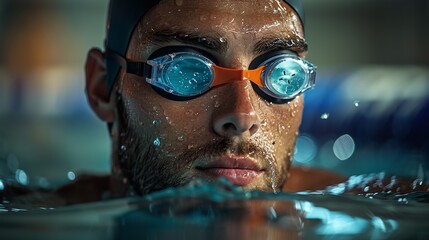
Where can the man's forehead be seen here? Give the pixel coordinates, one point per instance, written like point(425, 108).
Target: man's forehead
point(242, 5)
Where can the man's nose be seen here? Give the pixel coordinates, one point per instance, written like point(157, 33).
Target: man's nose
point(235, 114)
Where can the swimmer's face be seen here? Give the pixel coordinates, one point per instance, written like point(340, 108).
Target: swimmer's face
point(230, 131)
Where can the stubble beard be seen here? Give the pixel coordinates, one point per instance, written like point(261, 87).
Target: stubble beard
point(147, 170)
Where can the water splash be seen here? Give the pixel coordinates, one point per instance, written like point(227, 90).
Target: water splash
point(356, 103)
point(324, 116)
point(200, 209)
point(71, 176)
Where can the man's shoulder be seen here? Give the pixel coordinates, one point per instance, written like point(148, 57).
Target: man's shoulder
point(87, 188)
point(302, 178)
point(312, 179)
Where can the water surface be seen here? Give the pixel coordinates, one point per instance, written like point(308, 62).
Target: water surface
point(222, 211)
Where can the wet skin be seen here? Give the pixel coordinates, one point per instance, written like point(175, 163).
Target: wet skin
point(230, 131)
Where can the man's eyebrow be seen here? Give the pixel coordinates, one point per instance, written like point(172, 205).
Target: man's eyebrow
point(298, 45)
point(217, 44)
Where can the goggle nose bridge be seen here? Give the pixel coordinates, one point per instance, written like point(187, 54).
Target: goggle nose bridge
point(226, 75)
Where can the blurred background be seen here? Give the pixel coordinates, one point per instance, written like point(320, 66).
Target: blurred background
point(368, 113)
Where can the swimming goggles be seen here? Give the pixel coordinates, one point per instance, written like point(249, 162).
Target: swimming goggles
point(188, 74)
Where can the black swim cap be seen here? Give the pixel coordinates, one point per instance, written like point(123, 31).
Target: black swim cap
point(124, 15)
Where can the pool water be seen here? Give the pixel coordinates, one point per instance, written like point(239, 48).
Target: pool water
point(221, 211)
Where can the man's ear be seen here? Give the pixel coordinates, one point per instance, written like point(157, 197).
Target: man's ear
point(96, 86)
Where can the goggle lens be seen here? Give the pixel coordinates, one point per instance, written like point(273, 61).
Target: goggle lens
point(187, 76)
point(286, 78)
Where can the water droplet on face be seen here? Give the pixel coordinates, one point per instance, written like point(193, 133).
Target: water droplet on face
point(280, 128)
point(273, 176)
point(217, 104)
point(203, 18)
point(268, 103)
point(274, 186)
point(155, 122)
point(169, 120)
point(157, 142)
point(366, 189)
point(222, 39)
point(189, 113)
point(123, 148)
point(325, 116)
point(181, 137)
point(179, 2)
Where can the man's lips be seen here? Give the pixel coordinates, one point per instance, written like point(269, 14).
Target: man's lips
point(238, 170)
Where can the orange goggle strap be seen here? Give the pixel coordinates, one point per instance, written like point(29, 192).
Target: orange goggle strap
point(226, 75)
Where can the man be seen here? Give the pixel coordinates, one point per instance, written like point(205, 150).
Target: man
point(164, 134)
point(195, 89)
